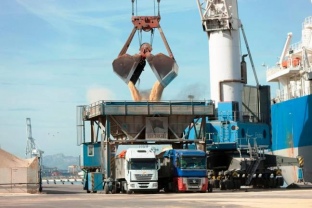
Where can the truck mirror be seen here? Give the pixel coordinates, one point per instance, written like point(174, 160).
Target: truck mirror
point(158, 164)
point(177, 162)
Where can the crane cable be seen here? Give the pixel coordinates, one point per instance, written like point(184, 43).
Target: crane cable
point(140, 37)
point(132, 7)
point(152, 30)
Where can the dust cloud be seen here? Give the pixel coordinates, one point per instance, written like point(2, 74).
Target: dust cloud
point(96, 93)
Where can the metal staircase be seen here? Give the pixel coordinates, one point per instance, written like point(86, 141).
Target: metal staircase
point(255, 160)
point(251, 170)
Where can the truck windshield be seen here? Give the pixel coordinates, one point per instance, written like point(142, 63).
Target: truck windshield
point(193, 162)
point(142, 165)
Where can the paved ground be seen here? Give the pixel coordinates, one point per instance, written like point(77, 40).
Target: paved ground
point(68, 196)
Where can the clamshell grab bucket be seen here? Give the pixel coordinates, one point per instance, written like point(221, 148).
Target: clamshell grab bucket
point(129, 68)
point(164, 68)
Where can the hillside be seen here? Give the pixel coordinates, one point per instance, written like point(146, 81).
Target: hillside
point(60, 161)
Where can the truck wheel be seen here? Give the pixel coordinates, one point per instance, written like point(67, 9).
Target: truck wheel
point(124, 187)
point(228, 184)
point(127, 190)
point(114, 188)
point(237, 184)
point(222, 185)
point(209, 187)
point(176, 190)
point(216, 183)
point(166, 189)
point(105, 188)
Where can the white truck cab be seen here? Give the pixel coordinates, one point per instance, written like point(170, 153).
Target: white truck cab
point(137, 170)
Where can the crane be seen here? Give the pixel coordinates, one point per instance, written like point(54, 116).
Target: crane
point(31, 149)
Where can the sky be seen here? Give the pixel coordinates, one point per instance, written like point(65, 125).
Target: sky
point(57, 54)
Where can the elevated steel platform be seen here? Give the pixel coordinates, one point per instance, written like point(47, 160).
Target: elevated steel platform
point(130, 121)
point(131, 108)
point(115, 123)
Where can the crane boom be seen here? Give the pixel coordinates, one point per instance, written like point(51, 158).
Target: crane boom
point(31, 149)
point(30, 140)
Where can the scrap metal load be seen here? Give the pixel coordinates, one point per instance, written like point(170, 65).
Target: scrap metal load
point(129, 67)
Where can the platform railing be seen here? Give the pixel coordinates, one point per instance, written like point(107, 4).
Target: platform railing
point(148, 108)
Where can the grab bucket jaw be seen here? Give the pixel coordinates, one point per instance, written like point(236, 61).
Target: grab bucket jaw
point(164, 67)
point(129, 68)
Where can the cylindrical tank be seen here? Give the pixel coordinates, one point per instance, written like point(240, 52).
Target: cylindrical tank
point(224, 56)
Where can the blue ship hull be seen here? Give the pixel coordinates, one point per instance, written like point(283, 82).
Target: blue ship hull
point(292, 135)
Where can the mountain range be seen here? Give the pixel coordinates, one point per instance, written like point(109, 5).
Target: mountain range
point(59, 161)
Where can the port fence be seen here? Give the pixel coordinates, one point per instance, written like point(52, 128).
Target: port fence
point(64, 181)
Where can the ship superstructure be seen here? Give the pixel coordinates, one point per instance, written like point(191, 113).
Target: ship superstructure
point(293, 71)
point(292, 105)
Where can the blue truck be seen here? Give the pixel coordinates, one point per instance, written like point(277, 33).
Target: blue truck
point(183, 170)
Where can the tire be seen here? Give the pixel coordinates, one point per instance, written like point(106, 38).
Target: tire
point(237, 184)
point(166, 189)
point(209, 187)
point(124, 187)
point(127, 190)
point(216, 183)
point(105, 188)
point(222, 185)
point(176, 190)
point(229, 185)
point(279, 181)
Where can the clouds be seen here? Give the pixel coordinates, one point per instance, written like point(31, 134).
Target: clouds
point(63, 15)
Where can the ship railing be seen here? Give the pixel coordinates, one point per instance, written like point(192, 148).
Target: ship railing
point(277, 68)
point(282, 95)
point(307, 21)
point(296, 46)
point(273, 70)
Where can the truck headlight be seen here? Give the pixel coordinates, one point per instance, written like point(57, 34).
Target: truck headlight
point(155, 185)
point(132, 185)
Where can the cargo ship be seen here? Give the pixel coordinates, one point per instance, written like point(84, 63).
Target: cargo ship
point(291, 108)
